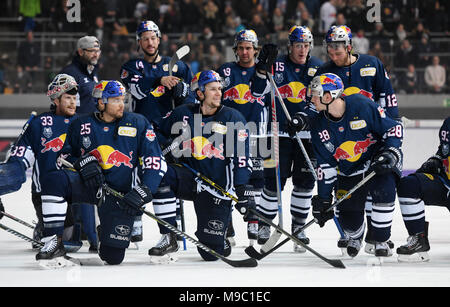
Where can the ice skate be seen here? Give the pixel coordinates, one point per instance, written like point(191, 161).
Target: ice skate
point(302, 237)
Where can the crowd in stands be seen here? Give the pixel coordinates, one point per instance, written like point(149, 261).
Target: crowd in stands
point(412, 38)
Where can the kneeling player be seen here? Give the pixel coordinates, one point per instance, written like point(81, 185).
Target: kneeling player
point(429, 186)
point(104, 147)
point(212, 140)
point(353, 135)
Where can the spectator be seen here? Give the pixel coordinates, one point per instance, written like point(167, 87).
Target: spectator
point(435, 76)
point(96, 8)
point(259, 26)
point(278, 20)
point(103, 34)
point(437, 20)
point(381, 35)
point(400, 32)
point(327, 15)
point(29, 9)
point(29, 54)
point(423, 51)
point(340, 20)
point(411, 83)
point(405, 55)
point(307, 21)
point(360, 43)
point(376, 51)
point(190, 15)
point(213, 57)
point(172, 18)
point(210, 15)
point(419, 32)
point(21, 81)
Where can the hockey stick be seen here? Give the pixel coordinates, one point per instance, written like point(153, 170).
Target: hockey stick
point(179, 54)
point(300, 143)
point(254, 253)
point(336, 263)
point(249, 262)
point(77, 261)
point(17, 219)
point(276, 235)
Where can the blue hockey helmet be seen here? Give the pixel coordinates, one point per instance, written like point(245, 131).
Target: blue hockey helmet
point(246, 36)
point(107, 89)
point(301, 34)
point(327, 82)
point(206, 77)
point(145, 26)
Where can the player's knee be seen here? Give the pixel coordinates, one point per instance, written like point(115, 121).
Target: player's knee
point(111, 255)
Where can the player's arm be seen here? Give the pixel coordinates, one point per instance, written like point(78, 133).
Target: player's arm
point(133, 77)
point(384, 93)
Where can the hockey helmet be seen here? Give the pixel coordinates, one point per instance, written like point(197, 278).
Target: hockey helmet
point(246, 36)
point(109, 88)
point(327, 82)
point(194, 82)
point(338, 34)
point(301, 34)
point(62, 83)
point(145, 26)
point(206, 77)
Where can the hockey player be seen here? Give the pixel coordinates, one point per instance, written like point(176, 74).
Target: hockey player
point(104, 147)
point(154, 95)
point(39, 147)
point(213, 140)
point(292, 74)
point(237, 94)
point(352, 134)
point(428, 186)
point(364, 74)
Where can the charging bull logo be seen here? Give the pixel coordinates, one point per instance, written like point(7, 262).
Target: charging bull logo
point(109, 157)
point(354, 90)
point(351, 150)
point(241, 94)
point(159, 91)
point(200, 148)
point(54, 145)
point(294, 92)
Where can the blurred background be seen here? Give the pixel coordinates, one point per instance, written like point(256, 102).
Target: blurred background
point(36, 39)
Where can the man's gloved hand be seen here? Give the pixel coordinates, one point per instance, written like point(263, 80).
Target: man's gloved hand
point(432, 166)
point(320, 207)
point(133, 202)
point(180, 92)
point(384, 162)
point(90, 171)
point(299, 122)
point(246, 202)
point(267, 57)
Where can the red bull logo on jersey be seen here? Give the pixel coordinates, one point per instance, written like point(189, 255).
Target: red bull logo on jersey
point(109, 157)
point(241, 94)
point(202, 148)
point(354, 90)
point(446, 164)
point(294, 92)
point(54, 145)
point(351, 150)
point(159, 91)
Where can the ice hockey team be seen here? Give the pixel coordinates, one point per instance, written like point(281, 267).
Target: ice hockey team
point(243, 130)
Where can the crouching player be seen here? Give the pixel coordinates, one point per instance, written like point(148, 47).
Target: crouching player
point(428, 186)
point(104, 147)
point(352, 134)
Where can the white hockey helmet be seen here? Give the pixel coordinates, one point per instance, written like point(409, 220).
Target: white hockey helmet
point(62, 83)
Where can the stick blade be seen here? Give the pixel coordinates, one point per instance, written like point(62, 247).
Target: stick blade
point(183, 51)
point(252, 252)
point(245, 263)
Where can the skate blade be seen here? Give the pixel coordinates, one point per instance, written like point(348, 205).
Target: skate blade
point(299, 249)
point(369, 249)
point(344, 254)
point(416, 257)
point(165, 259)
point(232, 241)
point(56, 263)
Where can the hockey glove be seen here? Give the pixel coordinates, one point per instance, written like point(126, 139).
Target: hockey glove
point(90, 171)
point(299, 122)
point(320, 207)
point(132, 203)
point(384, 162)
point(432, 166)
point(246, 202)
point(267, 57)
point(180, 92)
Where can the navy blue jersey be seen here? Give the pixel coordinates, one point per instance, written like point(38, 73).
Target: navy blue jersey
point(150, 98)
point(40, 145)
point(444, 151)
point(368, 77)
point(125, 149)
point(346, 147)
point(292, 81)
point(237, 94)
point(217, 146)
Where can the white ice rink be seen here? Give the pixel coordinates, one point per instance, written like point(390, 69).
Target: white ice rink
point(281, 269)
